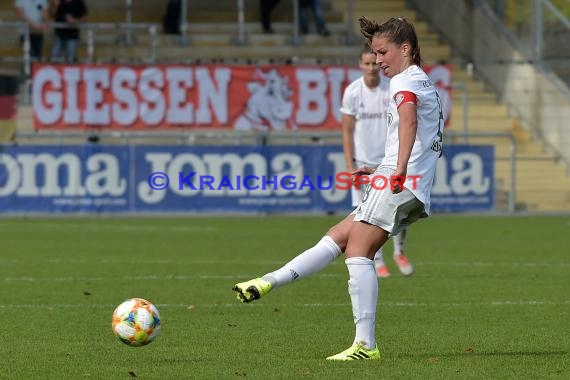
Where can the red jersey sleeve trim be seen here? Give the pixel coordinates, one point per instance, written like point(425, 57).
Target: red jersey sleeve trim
point(405, 97)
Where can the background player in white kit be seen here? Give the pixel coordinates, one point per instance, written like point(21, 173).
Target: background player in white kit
point(364, 129)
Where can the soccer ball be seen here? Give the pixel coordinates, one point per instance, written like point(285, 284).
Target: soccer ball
point(136, 322)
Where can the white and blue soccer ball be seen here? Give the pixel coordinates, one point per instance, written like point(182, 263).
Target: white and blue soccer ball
point(136, 322)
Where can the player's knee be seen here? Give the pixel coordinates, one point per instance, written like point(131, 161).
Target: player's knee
point(340, 237)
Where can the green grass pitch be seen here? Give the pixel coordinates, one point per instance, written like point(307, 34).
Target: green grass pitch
point(490, 299)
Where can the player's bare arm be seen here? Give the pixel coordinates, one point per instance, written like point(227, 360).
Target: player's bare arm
point(407, 136)
point(348, 123)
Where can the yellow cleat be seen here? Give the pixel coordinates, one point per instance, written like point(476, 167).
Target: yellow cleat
point(356, 352)
point(251, 290)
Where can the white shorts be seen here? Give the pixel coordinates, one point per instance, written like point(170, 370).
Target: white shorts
point(357, 195)
point(387, 210)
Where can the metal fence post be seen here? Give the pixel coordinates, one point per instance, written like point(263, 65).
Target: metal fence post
point(295, 40)
point(537, 30)
point(465, 104)
point(241, 22)
point(153, 37)
point(26, 51)
point(512, 193)
point(465, 108)
point(128, 20)
point(27, 68)
point(183, 22)
point(350, 37)
point(90, 45)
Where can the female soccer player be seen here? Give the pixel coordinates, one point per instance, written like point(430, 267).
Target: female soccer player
point(413, 145)
point(414, 142)
point(364, 129)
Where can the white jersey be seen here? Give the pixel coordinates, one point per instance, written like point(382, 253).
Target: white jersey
point(33, 9)
point(428, 144)
point(369, 106)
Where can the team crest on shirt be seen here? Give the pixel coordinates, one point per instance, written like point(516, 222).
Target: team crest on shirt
point(399, 98)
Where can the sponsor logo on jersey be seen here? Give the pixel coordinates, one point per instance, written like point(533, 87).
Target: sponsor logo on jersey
point(370, 115)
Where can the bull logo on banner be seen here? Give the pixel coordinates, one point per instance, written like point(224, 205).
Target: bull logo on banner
point(269, 106)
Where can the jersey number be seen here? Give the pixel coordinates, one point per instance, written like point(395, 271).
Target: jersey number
point(441, 125)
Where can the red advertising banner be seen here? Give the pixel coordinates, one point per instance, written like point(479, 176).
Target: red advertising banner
point(279, 97)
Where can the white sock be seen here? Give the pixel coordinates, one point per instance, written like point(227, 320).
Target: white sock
point(400, 241)
point(307, 263)
point(379, 258)
point(363, 290)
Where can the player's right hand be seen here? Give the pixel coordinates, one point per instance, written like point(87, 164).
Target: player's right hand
point(363, 170)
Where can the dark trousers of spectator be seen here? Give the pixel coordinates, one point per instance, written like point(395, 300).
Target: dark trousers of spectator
point(36, 45)
point(66, 46)
point(266, 7)
point(317, 8)
point(171, 18)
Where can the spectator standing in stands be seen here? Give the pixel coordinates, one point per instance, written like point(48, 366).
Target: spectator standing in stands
point(266, 7)
point(70, 12)
point(316, 7)
point(35, 14)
